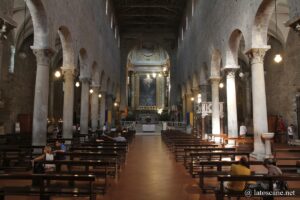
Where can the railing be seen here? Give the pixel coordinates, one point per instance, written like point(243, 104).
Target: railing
point(128, 124)
point(176, 124)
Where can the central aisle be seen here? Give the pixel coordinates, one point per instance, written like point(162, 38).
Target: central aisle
point(151, 173)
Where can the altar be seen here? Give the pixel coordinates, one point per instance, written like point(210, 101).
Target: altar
point(148, 127)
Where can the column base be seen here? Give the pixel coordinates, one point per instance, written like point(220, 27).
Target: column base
point(258, 156)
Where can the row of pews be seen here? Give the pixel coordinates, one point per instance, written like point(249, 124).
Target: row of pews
point(88, 168)
point(205, 160)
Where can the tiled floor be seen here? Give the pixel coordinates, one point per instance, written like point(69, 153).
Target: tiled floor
point(151, 173)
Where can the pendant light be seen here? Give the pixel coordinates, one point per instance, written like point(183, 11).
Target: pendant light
point(278, 57)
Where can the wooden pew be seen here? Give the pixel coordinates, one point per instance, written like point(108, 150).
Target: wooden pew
point(98, 168)
point(46, 189)
point(198, 149)
point(222, 192)
point(208, 156)
point(17, 157)
point(113, 158)
point(214, 169)
point(178, 149)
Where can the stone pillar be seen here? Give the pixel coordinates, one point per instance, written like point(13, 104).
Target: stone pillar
point(183, 107)
point(1, 54)
point(68, 74)
point(248, 98)
point(203, 92)
point(231, 104)
point(109, 106)
point(260, 120)
point(84, 109)
point(51, 99)
point(40, 110)
point(102, 108)
point(95, 107)
point(189, 102)
point(215, 105)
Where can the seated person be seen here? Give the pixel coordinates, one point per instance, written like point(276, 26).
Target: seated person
point(60, 147)
point(242, 168)
point(47, 155)
point(120, 138)
point(273, 170)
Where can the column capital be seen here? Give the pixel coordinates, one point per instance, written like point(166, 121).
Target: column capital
point(68, 71)
point(43, 56)
point(230, 74)
point(84, 79)
point(257, 55)
point(215, 79)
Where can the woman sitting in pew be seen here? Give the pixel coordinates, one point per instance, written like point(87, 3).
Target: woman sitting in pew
point(47, 155)
point(119, 138)
point(242, 168)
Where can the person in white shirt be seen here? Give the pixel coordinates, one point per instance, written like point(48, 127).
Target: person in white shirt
point(290, 131)
point(243, 130)
point(47, 155)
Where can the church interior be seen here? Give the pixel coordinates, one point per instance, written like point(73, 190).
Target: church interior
point(149, 99)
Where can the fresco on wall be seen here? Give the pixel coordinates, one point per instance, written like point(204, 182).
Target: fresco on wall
point(147, 91)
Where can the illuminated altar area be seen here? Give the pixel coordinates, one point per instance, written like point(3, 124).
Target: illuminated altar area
point(148, 82)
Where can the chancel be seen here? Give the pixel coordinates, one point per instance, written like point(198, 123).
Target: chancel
point(149, 99)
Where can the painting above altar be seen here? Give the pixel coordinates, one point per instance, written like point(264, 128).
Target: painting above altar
point(147, 92)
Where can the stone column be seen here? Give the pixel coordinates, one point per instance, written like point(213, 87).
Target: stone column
point(109, 106)
point(84, 109)
point(203, 92)
point(68, 74)
point(1, 54)
point(215, 105)
point(260, 120)
point(40, 110)
point(231, 104)
point(102, 108)
point(51, 99)
point(95, 107)
point(183, 108)
point(248, 98)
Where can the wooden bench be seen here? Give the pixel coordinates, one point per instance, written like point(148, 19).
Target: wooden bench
point(222, 192)
point(198, 149)
point(113, 158)
point(45, 189)
point(214, 169)
point(98, 168)
point(208, 156)
point(17, 157)
point(179, 152)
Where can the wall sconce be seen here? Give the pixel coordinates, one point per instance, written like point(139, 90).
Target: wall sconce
point(221, 85)
point(192, 99)
point(57, 74)
point(91, 91)
point(278, 58)
point(99, 96)
point(77, 84)
point(115, 104)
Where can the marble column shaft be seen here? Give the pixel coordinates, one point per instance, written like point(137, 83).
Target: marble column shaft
point(231, 104)
point(248, 98)
point(84, 109)
point(1, 55)
point(215, 105)
point(40, 110)
point(260, 120)
point(95, 107)
point(68, 109)
point(102, 108)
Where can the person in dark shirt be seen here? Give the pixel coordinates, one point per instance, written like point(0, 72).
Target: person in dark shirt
point(60, 148)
